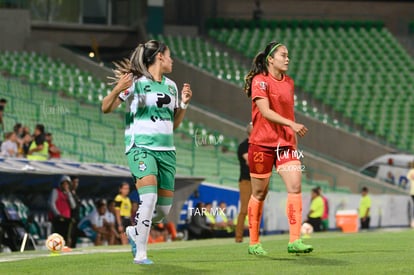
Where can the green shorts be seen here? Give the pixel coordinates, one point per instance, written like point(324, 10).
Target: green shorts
point(143, 162)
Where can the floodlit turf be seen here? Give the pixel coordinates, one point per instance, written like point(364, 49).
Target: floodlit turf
point(379, 252)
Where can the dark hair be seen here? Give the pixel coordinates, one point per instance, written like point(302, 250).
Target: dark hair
point(364, 189)
point(316, 191)
point(99, 203)
point(8, 135)
point(40, 127)
point(3, 100)
point(17, 126)
point(259, 65)
point(141, 58)
point(123, 184)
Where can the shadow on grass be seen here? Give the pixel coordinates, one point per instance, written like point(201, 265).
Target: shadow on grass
point(168, 269)
point(315, 261)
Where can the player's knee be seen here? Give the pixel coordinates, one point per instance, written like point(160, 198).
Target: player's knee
point(260, 195)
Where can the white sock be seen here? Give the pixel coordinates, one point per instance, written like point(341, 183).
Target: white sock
point(143, 226)
point(161, 211)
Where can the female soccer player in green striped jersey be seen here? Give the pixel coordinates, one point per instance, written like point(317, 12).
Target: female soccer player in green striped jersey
point(153, 111)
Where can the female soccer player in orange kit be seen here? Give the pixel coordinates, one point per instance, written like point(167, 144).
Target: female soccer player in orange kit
point(273, 142)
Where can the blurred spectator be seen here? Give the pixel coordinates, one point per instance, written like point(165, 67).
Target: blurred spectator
point(210, 219)
point(1, 124)
point(123, 210)
point(325, 216)
point(3, 102)
point(54, 151)
point(18, 129)
point(61, 203)
point(364, 208)
point(410, 177)
point(134, 198)
point(9, 146)
point(99, 225)
point(24, 147)
point(198, 227)
point(162, 232)
point(245, 185)
point(390, 178)
point(39, 148)
point(224, 225)
point(26, 130)
point(111, 209)
point(75, 213)
point(316, 210)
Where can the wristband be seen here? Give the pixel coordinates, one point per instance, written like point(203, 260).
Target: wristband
point(183, 105)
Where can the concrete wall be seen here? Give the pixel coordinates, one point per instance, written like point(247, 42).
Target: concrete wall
point(395, 14)
point(86, 35)
point(14, 28)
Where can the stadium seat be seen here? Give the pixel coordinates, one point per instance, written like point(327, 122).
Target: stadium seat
point(323, 64)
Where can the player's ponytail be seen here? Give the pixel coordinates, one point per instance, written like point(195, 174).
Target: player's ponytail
point(141, 58)
point(259, 65)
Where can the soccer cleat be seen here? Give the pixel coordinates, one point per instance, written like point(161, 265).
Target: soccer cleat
point(299, 247)
point(144, 261)
point(256, 249)
point(131, 234)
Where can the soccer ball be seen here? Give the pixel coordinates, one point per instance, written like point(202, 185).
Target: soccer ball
point(306, 229)
point(55, 242)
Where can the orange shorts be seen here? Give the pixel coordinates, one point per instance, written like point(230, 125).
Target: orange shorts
point(262, 159)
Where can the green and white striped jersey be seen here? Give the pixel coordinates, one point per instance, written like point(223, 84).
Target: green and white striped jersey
point(149, 114)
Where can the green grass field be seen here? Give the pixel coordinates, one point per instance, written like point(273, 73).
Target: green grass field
point(378, 252)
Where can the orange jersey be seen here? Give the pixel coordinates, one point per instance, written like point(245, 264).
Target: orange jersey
point(281, 100)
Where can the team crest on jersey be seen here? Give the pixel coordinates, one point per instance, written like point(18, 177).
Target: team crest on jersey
point(142, 166)
point(171, 89)
point(263, 85)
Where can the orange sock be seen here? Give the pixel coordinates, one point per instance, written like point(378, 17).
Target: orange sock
point(171, 229)
point(255, 210)
point(294, 215)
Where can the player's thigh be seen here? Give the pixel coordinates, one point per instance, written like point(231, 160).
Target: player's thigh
point(291, 174)
point(166, 173)
point(143, 166)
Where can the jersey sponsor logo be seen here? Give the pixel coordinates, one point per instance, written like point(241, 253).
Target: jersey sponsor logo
point(157, 118)
point(163, 99)
point(291, 213)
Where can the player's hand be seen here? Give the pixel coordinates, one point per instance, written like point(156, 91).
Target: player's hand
point(186, 93)
point(299, 129)
point(124, 82)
